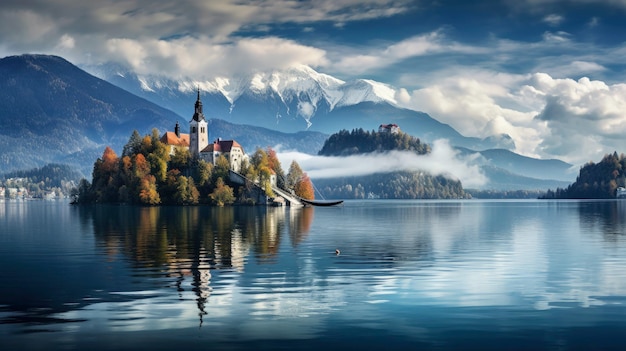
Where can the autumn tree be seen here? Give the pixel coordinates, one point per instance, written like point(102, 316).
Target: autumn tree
point(304, 188)
point(261, 163)
point(143, 184)
point(299, 182)
point(105, 177)
point(222, 194)
point(274, 165)
point(148, 194)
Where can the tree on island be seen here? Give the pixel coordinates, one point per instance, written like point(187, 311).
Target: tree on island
point(144, 175)
point(223, 194)
point(299, 182)
point(383, 183)
point(595, 180)
point(147, 174)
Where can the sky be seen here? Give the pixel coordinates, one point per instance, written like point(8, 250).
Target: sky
point(550, 73)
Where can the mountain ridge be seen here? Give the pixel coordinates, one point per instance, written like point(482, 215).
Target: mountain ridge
point(295, 99)
point(53, 111)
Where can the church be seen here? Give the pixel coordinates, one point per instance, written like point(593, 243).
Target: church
point(197, 141)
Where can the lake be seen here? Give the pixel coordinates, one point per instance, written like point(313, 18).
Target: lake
point(423, 275)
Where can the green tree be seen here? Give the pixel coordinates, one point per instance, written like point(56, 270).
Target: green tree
point(294, 175)
point(221, 168)
point(158, 157)
point(180, 159)
point(133, 146)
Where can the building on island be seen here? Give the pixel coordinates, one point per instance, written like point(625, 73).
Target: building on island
point(389, 128)
point(175, 139)
point(197, 141)
point(228, 148)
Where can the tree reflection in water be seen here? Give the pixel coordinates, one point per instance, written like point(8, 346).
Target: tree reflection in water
point(181, 242)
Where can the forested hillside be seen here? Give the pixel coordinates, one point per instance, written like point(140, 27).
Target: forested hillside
point(38, 182)
point(359, 141)
point(383, 184)
point(595, 180)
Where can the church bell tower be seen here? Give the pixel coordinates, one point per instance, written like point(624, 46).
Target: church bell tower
point(198, 130)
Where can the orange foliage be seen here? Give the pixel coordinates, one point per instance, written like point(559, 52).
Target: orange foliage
point(304, 188)
point(142, 167)
point(109, 161)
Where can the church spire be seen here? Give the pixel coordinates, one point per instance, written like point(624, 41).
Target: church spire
point(198, 115)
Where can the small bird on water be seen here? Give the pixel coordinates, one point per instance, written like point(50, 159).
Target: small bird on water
point(337, 252)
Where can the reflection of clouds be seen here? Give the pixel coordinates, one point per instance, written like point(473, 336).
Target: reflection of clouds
point(456, 262)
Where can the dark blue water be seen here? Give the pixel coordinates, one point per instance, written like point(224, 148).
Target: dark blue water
point(442, 275)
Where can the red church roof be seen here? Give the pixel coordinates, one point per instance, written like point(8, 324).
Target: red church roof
point(220, 145)
point(170, 138)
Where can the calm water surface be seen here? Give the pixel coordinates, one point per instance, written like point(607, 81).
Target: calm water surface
point(443, 275)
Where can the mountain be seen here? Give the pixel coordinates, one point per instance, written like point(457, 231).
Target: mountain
point(293, 100)
point(52, 111)
point(528, 167)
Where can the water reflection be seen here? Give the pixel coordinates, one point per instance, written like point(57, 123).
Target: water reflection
point(608, 217)
point(415, 271)
point(190, 242)
point(210, 237)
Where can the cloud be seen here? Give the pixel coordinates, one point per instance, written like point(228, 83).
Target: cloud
point(575, 120)
point(202, 58)
point(481, 104)
point(187, 37)
point(586, 118)
point(553, 19)
point(419, 45)
point(443, 160)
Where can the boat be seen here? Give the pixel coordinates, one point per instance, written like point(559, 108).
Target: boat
point(620, 193)
point(321, 203)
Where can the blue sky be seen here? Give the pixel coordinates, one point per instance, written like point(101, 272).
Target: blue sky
point(550, 73)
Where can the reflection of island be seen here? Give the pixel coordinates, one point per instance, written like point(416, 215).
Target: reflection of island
point(189, 242)
point(609, 216)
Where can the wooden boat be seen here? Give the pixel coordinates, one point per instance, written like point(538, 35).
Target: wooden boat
point(321, 203)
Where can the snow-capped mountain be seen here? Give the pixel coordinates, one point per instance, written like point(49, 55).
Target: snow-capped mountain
point(295, 99)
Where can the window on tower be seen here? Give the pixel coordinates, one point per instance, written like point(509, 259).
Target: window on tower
point(193, 129)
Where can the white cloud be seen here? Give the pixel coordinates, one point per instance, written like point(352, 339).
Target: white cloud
point(556, 37)
point(443, 160)
point(420, 45)
point(187, 37)
point(575, 120)
point(201, 57)
point(482, 104)
point(553, 19)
